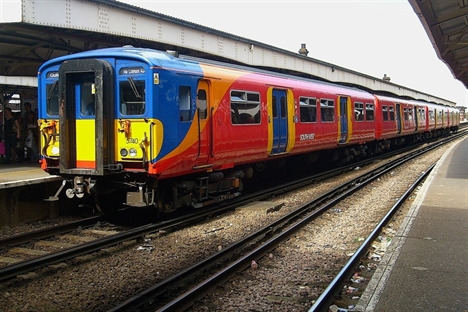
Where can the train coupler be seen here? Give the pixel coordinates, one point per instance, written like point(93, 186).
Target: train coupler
point(80, 187)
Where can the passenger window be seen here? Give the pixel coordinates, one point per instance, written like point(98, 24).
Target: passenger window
point(245, 107)
point(391, 110)
point(308, 109)
point(431, 115)
point(369, 112)
point(384, 113)
point(359, 111)
point(405, 114)
point(422, 116)
point(327, 110)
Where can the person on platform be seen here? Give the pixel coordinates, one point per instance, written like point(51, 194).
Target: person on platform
point(12, 135)
point(24, 125)
point(24, 120)
point(32, 137)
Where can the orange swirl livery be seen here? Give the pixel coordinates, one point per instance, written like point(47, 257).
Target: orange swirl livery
point(133, 127)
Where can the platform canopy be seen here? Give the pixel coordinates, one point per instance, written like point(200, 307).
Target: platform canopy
point(32, 32)
point(446, 24)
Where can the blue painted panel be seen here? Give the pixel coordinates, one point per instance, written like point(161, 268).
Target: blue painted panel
point(280, 118)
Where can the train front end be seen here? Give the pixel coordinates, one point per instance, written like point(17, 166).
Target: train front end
point(97, 129)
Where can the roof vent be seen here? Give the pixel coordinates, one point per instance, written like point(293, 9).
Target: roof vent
point(172, 53)
point(303, 50)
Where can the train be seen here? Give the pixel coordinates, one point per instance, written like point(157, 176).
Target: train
point(136, 127)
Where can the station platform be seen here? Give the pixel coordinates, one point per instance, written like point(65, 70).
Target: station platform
point(24, 190)
point(25, 173)
point(426, 266)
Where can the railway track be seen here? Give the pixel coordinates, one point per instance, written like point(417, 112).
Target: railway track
point(87, 235)
point(195, 282)
point(31, 251)
point(340, 282)
point(106, 242)
point(44, 233)
point(28, 252)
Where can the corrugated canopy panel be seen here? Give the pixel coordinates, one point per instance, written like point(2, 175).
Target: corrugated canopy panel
point(446, 23)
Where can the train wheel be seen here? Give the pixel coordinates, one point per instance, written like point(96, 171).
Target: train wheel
point(110, 203)
point(165, 203)
point(108, 200)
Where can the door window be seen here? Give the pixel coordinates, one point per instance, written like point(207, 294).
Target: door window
point(202, 103)
point(87, 96)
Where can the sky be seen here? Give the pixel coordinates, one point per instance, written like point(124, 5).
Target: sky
point(373, 37)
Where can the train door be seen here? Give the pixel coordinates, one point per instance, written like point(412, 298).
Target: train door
point(85, 127)
point(444, 119)
point(204, 124)
point(416, 118)
point(343, 117)
point(398, 117)
point(279, 109)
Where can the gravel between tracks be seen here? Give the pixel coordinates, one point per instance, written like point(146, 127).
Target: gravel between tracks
point(289, 280)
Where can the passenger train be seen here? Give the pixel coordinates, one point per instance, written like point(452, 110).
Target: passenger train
point(144, 128)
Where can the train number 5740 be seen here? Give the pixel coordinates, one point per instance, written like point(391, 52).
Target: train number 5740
point(132, 141)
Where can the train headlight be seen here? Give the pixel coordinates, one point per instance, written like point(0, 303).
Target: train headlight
point(55, 150)
point(123, 152)
point(133, 152)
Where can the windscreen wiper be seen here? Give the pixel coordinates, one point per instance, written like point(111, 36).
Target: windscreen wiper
point(134, 87)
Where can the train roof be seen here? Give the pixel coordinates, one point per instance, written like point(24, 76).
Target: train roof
point(149, 56)
point(192, 64)
point(409, 101)
point(270, 73)
point(185, 63)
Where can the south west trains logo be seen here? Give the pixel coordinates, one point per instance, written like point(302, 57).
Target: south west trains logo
point(307, 136)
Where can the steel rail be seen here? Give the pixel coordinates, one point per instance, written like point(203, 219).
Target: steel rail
point(186, 300)
point(326, 298)
point(22, 267)
point(47, 232)
point(200, 290)
point(66, 254)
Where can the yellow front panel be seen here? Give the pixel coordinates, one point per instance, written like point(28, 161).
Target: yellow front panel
point(85, 142)
point(139, 138)
point(49, 138)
